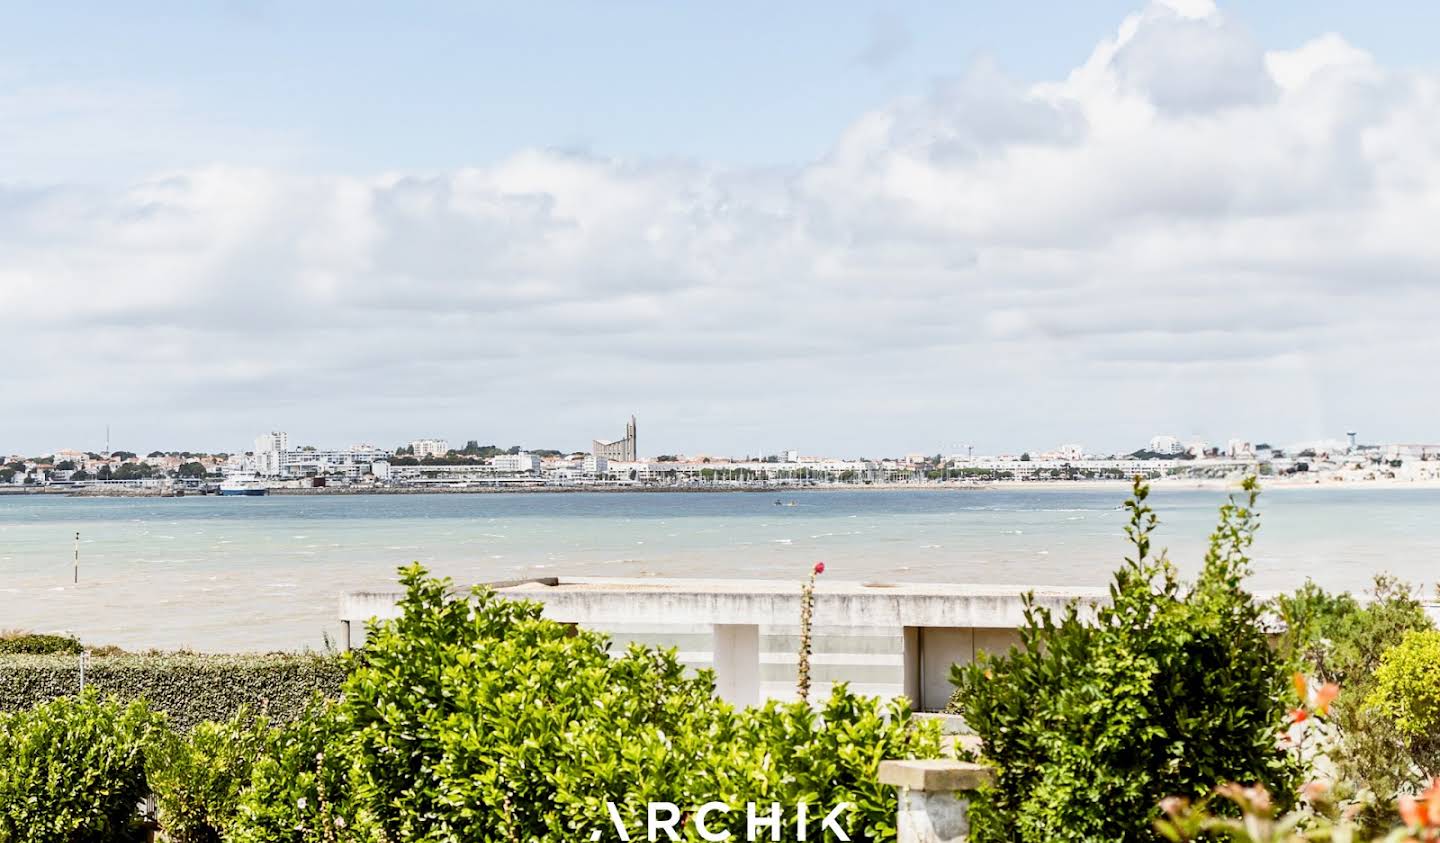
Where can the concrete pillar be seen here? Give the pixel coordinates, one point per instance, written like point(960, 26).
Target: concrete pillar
point(737, 662)
point(933, 803)
point(912, 658)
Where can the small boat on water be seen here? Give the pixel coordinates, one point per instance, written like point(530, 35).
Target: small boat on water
point(247, 485)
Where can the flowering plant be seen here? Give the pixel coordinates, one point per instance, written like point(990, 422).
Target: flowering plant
point(807, 611)
point(1309, 734)
point(1258, 823)
point(1320, 816)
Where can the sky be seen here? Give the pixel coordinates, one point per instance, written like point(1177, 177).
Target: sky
point(843, 228)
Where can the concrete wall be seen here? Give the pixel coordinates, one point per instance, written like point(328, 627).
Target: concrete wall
point(882, 639)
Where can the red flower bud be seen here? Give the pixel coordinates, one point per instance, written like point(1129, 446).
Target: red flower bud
point(819, 567)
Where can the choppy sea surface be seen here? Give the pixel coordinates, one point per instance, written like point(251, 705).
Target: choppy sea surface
point(242, 573)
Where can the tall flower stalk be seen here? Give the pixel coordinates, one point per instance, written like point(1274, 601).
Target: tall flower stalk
point(807, 614)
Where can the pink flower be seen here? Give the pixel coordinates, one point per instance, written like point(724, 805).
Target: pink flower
point(819, 568)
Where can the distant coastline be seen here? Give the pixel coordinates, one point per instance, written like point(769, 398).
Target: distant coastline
point(1316, 481)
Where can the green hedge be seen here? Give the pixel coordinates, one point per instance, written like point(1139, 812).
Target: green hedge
point(33, 643)
point(190, 688)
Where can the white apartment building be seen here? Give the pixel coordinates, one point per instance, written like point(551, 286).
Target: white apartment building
point(1165, 444)
point(430, 447)
point(521, 463)
point(269, 450)
point(595, 465)
point(273, 457)
point(352, 462)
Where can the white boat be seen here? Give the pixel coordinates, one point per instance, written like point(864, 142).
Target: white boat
point(248, 485)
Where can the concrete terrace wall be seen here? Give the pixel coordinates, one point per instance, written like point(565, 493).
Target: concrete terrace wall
point(882, 638)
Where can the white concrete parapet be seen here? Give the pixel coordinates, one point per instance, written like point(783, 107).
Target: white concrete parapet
point(939, 624)
point(933, 626)
point(688, 601)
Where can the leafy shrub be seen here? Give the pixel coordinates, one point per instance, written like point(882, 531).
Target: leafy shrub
point(829, 757)
point(31, 643)
point(299, 787)
point(1407, 694)
point(1340, 639)
point(73, 769)
point(190, 688)
point(197, 778)
point(480, 719)
point(1167, 691)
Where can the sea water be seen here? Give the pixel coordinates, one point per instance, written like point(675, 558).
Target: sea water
point(241, 573)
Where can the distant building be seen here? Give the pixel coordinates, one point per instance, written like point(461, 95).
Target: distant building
point(270, 451)
point(274, 458)
point(596, 465)
point(620, 450)
point(1165, 444)
point(1350, 437)
point(1240, 448)
point(521, 463)
point(790, 456)
point(1070, 452)
point(430, 447)
point(352, 462)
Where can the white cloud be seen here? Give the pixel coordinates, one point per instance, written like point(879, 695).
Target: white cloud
point(1188, 232)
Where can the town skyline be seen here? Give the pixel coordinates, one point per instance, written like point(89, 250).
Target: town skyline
point(276, 464)
point(438, 446)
